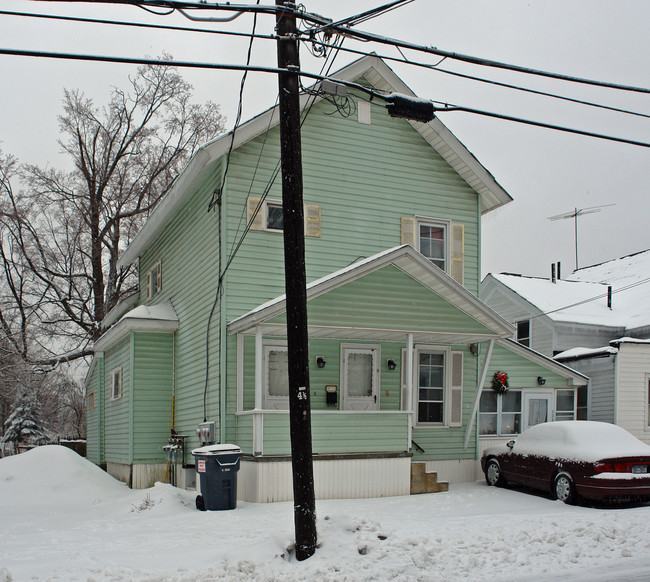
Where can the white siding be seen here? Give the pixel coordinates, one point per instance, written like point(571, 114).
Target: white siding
point(602, 406)
point(632, 368)
point(267, 482)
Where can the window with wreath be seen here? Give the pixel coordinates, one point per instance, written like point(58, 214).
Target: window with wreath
point(500, 414)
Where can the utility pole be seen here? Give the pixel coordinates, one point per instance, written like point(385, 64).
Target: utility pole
point(304, 501)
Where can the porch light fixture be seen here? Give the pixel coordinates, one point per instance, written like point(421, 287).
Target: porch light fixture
point(391, 364)
point(541, 381)
point(320, 361)
point(473, 349)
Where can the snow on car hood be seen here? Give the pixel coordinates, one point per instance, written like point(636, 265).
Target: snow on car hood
point(579, 440)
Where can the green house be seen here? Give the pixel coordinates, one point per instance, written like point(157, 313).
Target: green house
point(400, 345)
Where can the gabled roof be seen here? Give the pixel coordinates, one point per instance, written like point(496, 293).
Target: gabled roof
point(410, 262)
point(382, 77)
point(582, 298)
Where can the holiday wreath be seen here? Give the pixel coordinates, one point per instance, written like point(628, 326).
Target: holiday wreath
point(500, 382)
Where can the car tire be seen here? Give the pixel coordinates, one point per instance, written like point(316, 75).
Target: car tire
point(493, 475)
point(564, 489)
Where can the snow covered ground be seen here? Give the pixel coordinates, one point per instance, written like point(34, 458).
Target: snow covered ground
point(64, 519)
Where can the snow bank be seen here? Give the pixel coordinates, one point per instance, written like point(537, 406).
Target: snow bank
point(474, 532)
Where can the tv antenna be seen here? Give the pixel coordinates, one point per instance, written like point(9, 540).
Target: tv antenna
point(574, 214)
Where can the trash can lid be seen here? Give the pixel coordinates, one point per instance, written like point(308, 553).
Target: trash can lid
point(216, 449)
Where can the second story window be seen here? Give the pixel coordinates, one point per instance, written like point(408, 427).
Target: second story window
point(267, 215)
point(432, 241)
point(523, 332)
point(154, 280)
point(440, 241)
point(274, 219)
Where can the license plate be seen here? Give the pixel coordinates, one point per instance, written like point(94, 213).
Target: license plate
point(637, 469)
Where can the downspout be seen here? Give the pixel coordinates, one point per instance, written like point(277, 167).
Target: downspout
point(477, 398)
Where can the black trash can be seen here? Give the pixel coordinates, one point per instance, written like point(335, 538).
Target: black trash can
point(216, 471)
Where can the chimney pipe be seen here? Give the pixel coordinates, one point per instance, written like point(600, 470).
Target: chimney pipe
point(609, 296)
point(553, 273)
point(558, 270)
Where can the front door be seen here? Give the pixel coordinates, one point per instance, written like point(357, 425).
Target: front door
point(360, 378)
point(537, 408)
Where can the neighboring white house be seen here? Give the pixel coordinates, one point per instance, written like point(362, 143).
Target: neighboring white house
point(597, 322)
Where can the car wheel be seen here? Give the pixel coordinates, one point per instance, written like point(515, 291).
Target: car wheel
point(493, 476)
point(564, 489)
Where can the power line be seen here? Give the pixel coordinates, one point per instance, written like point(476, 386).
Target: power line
point(136, 24)
point(327, 26)
point(542, 124)
point(327, 45)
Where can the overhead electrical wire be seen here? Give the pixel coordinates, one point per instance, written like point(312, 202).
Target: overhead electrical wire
point(137, 24)
point(372, 93)
point(324, 44)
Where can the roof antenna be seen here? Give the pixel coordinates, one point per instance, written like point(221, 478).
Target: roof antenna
point(574, 214)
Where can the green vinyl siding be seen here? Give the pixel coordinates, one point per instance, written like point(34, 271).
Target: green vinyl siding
point(188, 249)
point(243, 436)
point(152, 396)
point(522, 373)
point(117, 429)
point(341, 433)
point(388, 299)
point(365, 177)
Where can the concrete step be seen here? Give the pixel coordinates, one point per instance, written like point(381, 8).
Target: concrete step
point(423, 482)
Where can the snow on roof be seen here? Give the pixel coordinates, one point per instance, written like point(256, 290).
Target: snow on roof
point(579, 353)
point(582, 298)
point(564, 300)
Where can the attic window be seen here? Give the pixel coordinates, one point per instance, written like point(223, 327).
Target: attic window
point(267, 215)
point(523, 332)
point(116, 384)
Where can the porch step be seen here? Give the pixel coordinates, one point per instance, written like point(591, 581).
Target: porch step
point(423, 482)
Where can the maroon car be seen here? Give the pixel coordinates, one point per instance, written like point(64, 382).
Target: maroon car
point(572, 459)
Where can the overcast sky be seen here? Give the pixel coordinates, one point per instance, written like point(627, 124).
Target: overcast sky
point(546, 172)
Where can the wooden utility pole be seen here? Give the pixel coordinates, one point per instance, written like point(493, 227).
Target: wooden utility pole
point(304, 501)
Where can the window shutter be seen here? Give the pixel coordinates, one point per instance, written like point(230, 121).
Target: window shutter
point(251, 208)
point(408, 231)
point(456, 416)
point(312, 220)
point(457, 251)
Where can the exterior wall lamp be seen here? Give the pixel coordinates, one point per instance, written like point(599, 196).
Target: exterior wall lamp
point(391, 364)
point(541, 381)
point(320, 362)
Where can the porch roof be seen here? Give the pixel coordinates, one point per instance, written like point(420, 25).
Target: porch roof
point(414, 265)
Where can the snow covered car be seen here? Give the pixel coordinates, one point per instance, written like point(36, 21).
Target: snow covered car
point(572, 459)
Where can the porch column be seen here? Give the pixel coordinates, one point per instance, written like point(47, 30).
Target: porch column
point(477, 398)
point(409, 387)
point(258, 418)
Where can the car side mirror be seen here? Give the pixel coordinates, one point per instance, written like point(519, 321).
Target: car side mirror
point(510, 444)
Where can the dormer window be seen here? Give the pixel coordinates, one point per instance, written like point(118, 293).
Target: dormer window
point(154, 280)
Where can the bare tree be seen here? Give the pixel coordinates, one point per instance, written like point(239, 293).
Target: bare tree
point(61, 235)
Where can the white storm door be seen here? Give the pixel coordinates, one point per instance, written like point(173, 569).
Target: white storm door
point(360, 378)
point(537, 408)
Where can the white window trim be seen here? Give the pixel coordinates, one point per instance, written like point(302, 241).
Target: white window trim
point(499, 412)
point(265, 214)
point(117, 372)
point(431, 221)
point(530, 329)
point(446, 394)
point(272, 402)
point(376, 348)
point(575, 402)
point(151, 293)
